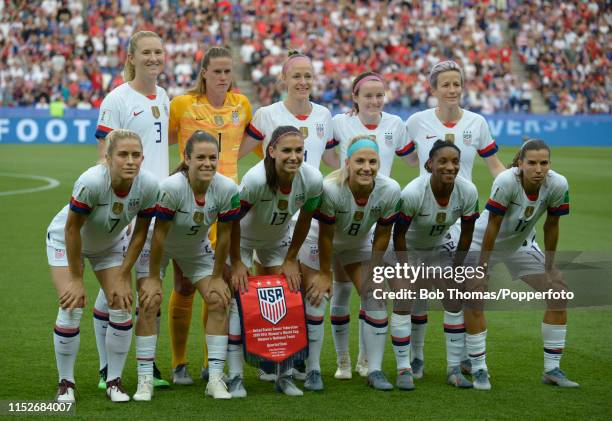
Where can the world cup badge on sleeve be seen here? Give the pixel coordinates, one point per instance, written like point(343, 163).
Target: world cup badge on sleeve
point(304, 131)
point(282, 204)
point(198, 217)
point(449, 137)
point(320, 130)
point(117, 208)
point(529, 211)
point(155, 111)
point(440, 217)
point(272, 304)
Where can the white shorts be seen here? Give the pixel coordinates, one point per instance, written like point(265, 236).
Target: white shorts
point(194, 267)
point(109, 258)
point(142, 263)
point(309, 254)
point(527, 260)
point(267, 256)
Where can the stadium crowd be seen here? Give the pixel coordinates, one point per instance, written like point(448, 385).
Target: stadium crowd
point(72, 50)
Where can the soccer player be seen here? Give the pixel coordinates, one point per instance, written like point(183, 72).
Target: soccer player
point(210, 106)
point(271, 193)
point(389, 132)
point(143, 107)
point(355, 199)
point(470, 132)
point(431, 204)
point(191, 200)
point(519, 197)
point(104, 201)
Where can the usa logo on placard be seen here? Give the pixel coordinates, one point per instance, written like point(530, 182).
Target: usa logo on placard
point(272, 304)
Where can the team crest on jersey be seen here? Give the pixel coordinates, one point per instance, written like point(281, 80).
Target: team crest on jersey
point(282, 204)
point(304, 131)
point(358, 215)
point(133, 205)
point(117, 208)
point(235, 118)
point(272, 304)
point(320, 130)
point(218, 120)
point(198, 217)
point(212, 210)
point(449, 137)
point(528, 211)
point(440, 217)
point(388, 138)
point(376, 210)
point(155, 110)
point(299, 200)
point(467, 137)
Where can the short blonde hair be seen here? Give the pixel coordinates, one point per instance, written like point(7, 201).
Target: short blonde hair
point(441, 67)
point(118, 135)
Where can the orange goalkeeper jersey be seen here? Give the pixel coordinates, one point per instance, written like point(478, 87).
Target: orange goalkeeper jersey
point(228, 124)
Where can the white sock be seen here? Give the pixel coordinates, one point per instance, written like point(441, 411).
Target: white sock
point(340, 316)
point(145, 354)
point(375, 334)
point(118, 341)
point(419, 326)
point(554, 342)
point(235, 358)
point(476, 346)
point(66, 340)
point(217, 352)
point(314, 321)
point(100, 322)
point(400, 337)
point(363, 351)
point(454, 331)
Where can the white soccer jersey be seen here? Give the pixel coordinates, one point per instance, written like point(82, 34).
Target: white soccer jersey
point(353, 220)
point(428, 220)
point(389, 134)
point(267, 212)
point(108, 212)
point(192, 219)
point(471, 134)
point(317, 128)
point(521, 212)
point(124, 108)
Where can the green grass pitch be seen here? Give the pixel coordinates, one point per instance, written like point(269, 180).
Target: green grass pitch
point(29, 308)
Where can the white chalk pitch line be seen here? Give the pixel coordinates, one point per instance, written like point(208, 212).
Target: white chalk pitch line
point(51, 183)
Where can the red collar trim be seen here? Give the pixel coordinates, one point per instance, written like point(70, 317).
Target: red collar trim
point(151, 96)
point(371, 126)
point(449, 124)
point(121, 193)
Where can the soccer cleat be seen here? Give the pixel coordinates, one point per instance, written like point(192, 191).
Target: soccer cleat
point(102, 380)
point(157, 378)
point(362, 367)
point(378, 381)
point(343, 372)
point(481, 380)
point(285, 385)
point(65, 392)
point(204, 374)
point(557, 377)
point(418, 368)
point(466, 367)
point(144, 391)
point(181, 376)
point(404, 380)
point(454, 376)
point(115, 391)
point(266, 377)
point(299, 370)
point(217, 388)
point(313, 381)
point(236, 387)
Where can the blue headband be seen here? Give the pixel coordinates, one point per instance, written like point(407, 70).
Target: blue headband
point(361, 144)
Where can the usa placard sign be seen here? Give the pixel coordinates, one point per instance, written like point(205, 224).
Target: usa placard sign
point(273, 320)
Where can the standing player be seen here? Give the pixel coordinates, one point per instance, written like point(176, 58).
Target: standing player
point(355, 198)
point(105, 199)
point(470, 132)
point(210, 106)
point(519, 197)
point(141, 106)
point(271, 193)
point(389, 132)
point(191, 200)
point(431, 204)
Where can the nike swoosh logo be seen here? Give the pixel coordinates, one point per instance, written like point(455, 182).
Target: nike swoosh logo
point(420, 214)
point(63, 343)
point(455, 340)
point(516, 204)
point(266, 200)
point(102, 204)
point(180, 211)
point(136, 114)
point(430, 137)
point(114, 334)
point(339, 212)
